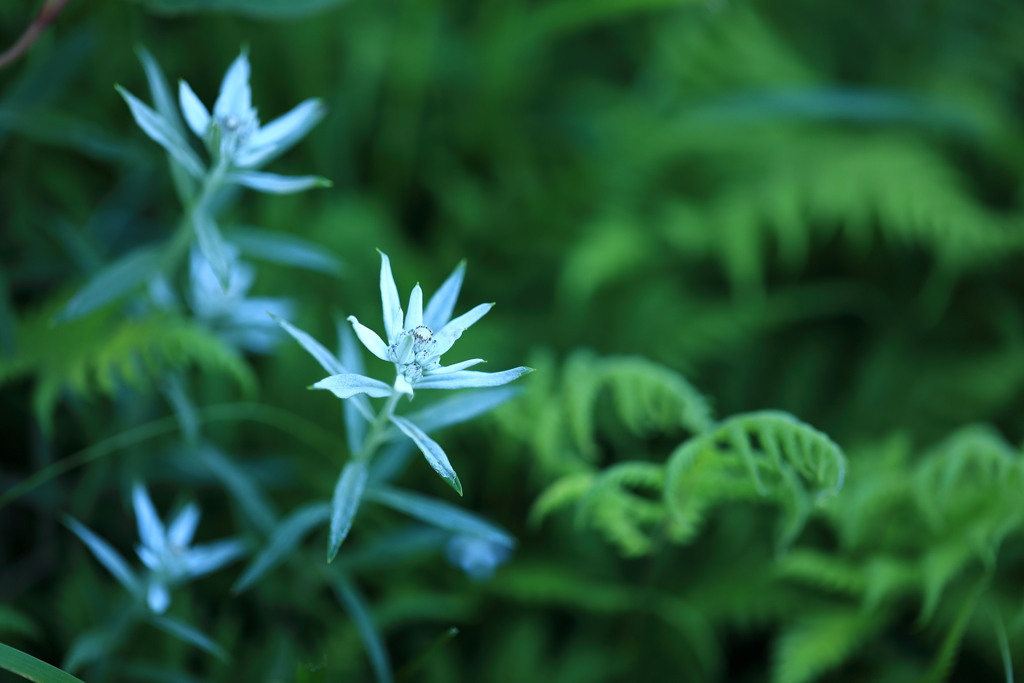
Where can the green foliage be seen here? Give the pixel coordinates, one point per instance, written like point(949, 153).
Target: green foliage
point(101, 354)
point(812, 212)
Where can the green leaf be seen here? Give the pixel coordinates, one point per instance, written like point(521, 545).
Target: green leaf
point(439, 514)
point(31, 668)
point(107, 556)
point(357, 608)
point(212, 245)
point(286, 538)
point(254, 9)
point(164, 134)
point(818, 643)
point(431, 450)
point(114, 281)
point(287, 250)
point(188, 633)
point(347, 494)
point(13, 621)
point(241, 486)
point(461, 407)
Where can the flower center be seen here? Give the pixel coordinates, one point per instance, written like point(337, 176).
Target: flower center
point(413, 352)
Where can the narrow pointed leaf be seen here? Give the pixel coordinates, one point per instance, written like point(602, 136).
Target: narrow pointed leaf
point(435, 456)
point(439, 308)
point(327, 361)
point(107, 556)
point(209, 557)
point(27, 666)
point(183, 528)
point(235, 97)
point(211, 244)
point(355, 419)
point(276, 184)
point(439, 513)
point(241, 486)
point(357, 608)
point(414, 316)
point(466, 320)
point(466, 379)
point(190, 634)
point(461, 407)
point(287, 250)
point(116, 280)
point(285, 539)
point(347, 494)
point(348, 385)
point(151, 529)
point(164, 134)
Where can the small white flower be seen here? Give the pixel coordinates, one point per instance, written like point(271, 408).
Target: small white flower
point(417, 340)
point(232, 133)
point(240, 321)
point(476, 556)
point(166, 552)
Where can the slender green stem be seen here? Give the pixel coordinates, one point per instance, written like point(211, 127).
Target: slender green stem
point(378, 429)
point(182, 239)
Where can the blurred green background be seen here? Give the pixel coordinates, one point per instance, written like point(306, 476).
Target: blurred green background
point(805, 207)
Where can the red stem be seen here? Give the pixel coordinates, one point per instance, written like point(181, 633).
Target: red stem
point(51, 9)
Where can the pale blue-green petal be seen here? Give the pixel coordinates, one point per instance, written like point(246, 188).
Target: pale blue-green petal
point(464, 321)
point(370, 339)
point(209, 557)
point(389, 300)
point(402, 385)
point(196, 116)
point(466, 379)
point(433, 453)
point(439, 308)
point(158, 597)
point(414, 316)
point(164, 134)
point(106, 555)
point(182, 529)
point(151, 529)
point(274, 183)
point(448, 369)
point(348, 385)
point(286, 130)
point(440, 514)
point(235, 98)
point(345, 503)
point(148, 558)
point(446, 338)
point(252, 157)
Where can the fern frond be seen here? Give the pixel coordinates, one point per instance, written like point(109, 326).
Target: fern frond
point(817, 643)
point(625, 518)
point(754, 456)
point(100, 353)
point(564, 492)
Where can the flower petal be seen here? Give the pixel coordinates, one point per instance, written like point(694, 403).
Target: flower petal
point(158, 597)
point(465, 379)
point(414, 318)
point(446, 338)
point(251, 157)
point(440, 307)
point(183, 528)
point(348, 385)
point(286, 130)
point(448, 369)
point(110, 558)
point(235, 96)
point(148, 558)
point(431, 451)
point(389, 300)
point(402, 385)
point(464, 321)
point(151, 529)
point(164, 134)
point(369, 338)
point(273, 183)
point(196, 116)
point(204, 559)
